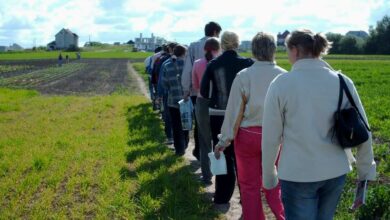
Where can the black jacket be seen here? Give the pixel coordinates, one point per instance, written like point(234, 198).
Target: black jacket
point(221, 72)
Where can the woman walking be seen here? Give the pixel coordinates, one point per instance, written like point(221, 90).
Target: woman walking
point(242, 123)
point(299, 114)
point(220, 73)
point(212, 49)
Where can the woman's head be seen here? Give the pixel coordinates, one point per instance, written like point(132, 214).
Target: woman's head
point(211, 48)
point(263, 47)
point(305, 44)
point(179, 50)
point(229, 41)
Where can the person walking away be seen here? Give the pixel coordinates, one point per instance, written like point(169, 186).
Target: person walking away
point(162, 96)
point(242, 123)
point(212, 49)
point(195, 52)
point(220, 72)
point(60, 60)
point(299, 115)
point(171, 76)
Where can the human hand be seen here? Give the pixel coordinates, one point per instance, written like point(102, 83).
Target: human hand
point(217, 151)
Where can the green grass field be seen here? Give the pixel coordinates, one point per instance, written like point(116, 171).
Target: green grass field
point(66, 157)
point(103, 156)
point(94, 52)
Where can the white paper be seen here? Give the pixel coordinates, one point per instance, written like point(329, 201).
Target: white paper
point(218, 167)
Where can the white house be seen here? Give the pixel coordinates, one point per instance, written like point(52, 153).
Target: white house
point(64, 39)
point(246, 45)
point(148, 44)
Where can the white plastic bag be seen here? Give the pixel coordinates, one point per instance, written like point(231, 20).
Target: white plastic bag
point(218, 167)
point(186, 109)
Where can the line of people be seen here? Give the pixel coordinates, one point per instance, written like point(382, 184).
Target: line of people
point(274, 126)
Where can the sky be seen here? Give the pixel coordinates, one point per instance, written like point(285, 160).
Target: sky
point(35, 22)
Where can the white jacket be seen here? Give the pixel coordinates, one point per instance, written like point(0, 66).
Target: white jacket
point(251, 84)
point(299, 110)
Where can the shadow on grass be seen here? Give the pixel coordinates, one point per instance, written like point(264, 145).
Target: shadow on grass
point(167, 186)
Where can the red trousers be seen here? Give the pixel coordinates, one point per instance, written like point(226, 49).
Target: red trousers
point(248, 156)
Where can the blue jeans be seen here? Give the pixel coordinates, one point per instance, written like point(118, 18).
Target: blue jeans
point(311, 200)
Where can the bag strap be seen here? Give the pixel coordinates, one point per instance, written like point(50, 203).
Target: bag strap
point(343, 86)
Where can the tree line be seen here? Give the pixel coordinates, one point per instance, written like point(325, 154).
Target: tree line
point(378, 41)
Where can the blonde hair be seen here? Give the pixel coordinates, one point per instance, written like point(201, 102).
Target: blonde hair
point(308, 43)
point(229, 40)
point(263, 47)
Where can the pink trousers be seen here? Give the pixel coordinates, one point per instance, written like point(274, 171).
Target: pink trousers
point(248, 156)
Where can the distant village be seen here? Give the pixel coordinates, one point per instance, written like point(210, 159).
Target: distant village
point(65, 39)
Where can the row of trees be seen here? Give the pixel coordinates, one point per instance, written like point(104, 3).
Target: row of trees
point(378, 41)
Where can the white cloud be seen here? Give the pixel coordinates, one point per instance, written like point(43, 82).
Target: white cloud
point(178, 19)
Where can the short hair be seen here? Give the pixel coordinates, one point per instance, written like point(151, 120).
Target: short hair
point(211, 44)
point(158, 49)
point(212, 27)
point(263, 47)
point(229, 40)
point(179, 50)
point(308, 43)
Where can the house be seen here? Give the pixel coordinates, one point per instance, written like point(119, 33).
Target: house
point(281, 38)
point(64, 39)
point(245, 45)
point(15, 47)
point(360, 34)
point(148, 44)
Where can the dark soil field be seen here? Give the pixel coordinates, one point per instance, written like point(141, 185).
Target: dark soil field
point(88, 77)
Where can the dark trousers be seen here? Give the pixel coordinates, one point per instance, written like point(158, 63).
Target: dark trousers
point(167, 118)
point(180, 137)
point(224, 184)
point(196, 137)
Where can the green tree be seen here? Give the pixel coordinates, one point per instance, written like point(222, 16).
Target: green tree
point(378, 42)
point(335, 39)
point(349, 45)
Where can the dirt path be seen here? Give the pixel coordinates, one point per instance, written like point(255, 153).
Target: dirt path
point(231, 211)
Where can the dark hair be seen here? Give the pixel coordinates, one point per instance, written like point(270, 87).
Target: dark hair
point(308, 43)
point(211, 44)
point(211, 28)
point(172, 45)
point(158, 49)
point(165, 48)
point(179, 50)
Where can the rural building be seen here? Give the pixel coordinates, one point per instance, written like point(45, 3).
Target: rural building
point(148, 44)
point(64, 39)
point(15, 47)
point(245, 45)
point(361, 34)
point(281, 38)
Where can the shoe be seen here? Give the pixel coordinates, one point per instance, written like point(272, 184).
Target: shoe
point(207, 182)
point(169, 141)
point(195, 153)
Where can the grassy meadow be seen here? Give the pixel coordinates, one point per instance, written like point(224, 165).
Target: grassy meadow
point(68, 157)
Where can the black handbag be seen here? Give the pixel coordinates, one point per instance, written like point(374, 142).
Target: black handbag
point(350, 127)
